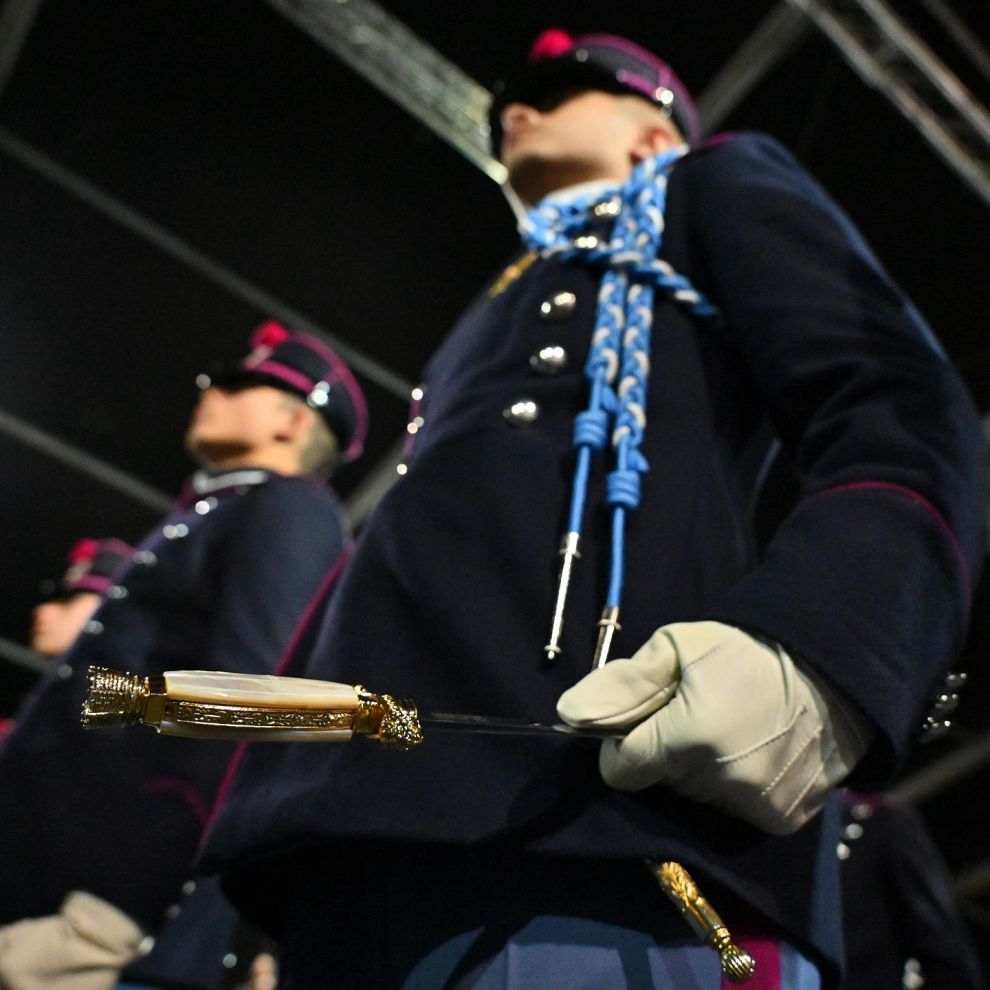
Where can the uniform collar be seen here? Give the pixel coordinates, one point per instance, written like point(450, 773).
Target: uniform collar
point(216, 481)
point(593, 189)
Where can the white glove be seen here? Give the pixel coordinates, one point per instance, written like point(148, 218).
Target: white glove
point(83, 947)
point(723, 719)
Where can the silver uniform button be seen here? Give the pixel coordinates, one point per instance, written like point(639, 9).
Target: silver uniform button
point(558, 307)
point(117, 592)
point(146, 557)
point(549, 360)
point(205, 505)
point(522, 412)
point(175, 532)
point(94, 627)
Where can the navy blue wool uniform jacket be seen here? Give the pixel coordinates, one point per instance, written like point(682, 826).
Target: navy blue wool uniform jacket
point(221, 584)
point(448, 599)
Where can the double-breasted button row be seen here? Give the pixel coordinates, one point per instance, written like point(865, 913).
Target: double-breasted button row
point(522, 412)
point(558, 307)
point(415, 424)
point(549, 359)
point(946, 701)
point(859, 813)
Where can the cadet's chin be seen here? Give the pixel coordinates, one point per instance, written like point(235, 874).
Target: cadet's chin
point(528, 176)
point(208, 451)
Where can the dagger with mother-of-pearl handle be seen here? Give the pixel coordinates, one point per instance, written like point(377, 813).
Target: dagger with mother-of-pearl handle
point(214, 704)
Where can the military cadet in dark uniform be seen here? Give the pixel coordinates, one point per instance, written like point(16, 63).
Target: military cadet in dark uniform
point(59, 618)
point(69, 603)
point(505, 862)
point(98, 831)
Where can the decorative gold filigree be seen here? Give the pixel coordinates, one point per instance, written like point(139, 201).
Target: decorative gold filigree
point(400, 726)
point(512, 273)
point(199, 713)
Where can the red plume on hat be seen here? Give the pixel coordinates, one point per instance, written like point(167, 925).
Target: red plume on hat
point(269, 334)
point(550, 44)
point(82, 551)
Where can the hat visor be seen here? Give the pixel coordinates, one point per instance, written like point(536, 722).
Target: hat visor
point(238, 379)
point(541, 79)
point(338, 413)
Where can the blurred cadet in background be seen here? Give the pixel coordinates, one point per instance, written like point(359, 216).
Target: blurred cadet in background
point(99, 831)
point(60, 616)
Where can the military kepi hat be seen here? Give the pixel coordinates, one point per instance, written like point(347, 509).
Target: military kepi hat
point(93, 566)
point(302, 364)
point(601, 61)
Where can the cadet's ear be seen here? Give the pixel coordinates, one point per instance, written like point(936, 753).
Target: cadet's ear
point(295, 421)
point(655, 137)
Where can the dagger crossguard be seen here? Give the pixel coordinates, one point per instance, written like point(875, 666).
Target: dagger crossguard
point(738, 966)
point(394, 722)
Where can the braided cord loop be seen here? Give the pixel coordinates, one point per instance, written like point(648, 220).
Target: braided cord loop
point(618, 363)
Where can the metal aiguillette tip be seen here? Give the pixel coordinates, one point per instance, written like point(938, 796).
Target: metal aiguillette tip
point(608, 626)
point(569, 553)
point(114, 698)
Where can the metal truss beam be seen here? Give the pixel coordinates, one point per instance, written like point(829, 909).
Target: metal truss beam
point(890, 57)
point(381, 49)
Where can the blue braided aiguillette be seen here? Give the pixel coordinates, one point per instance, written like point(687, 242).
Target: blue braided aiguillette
point(618, 364)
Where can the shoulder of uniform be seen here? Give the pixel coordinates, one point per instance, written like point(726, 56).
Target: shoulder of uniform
point(740, 149)
point(296, 490)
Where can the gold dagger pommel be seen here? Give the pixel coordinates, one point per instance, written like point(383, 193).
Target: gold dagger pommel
point(116, 698)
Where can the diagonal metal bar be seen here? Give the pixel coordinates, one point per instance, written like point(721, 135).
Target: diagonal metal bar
point(362, 501)
point(83, 462)
point(974, 881)
point(21, 656)
point(200, 262)
point(780, 32)
point(381, 49)
point(890, 57)
point(955, 27)
point(16, 18)
point(944, 772)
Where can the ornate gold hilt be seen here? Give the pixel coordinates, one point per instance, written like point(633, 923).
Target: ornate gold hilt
point(738, 965)
point(208, 704)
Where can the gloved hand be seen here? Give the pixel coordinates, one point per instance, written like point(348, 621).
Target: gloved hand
point(723, 719)
point(83, 947)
